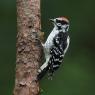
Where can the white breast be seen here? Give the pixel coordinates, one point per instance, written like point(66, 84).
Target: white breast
point(49, 42)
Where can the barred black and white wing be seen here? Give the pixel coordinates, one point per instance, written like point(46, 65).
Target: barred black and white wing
point(59, 48)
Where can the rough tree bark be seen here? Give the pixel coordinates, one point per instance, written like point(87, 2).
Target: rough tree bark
point(29, 50)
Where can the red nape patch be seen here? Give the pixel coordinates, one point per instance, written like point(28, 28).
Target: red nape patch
point(64, 18)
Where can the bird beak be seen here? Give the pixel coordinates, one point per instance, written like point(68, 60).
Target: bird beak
point(52, 20)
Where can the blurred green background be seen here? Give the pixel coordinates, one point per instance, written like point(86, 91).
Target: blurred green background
point(77, 75)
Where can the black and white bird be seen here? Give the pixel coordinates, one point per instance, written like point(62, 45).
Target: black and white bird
point(55, 47)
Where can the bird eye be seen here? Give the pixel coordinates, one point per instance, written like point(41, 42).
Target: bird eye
point(58, 24)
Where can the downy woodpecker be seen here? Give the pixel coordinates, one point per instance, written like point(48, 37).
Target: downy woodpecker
point(55, 47)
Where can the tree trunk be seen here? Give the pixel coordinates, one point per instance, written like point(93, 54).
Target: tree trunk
point(29, 49)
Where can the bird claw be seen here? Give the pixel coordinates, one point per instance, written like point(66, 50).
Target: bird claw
point(50, 76)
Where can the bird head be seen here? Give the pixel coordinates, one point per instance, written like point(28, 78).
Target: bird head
point(61, 23)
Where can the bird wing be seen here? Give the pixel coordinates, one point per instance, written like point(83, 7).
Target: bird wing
point(57, 51)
